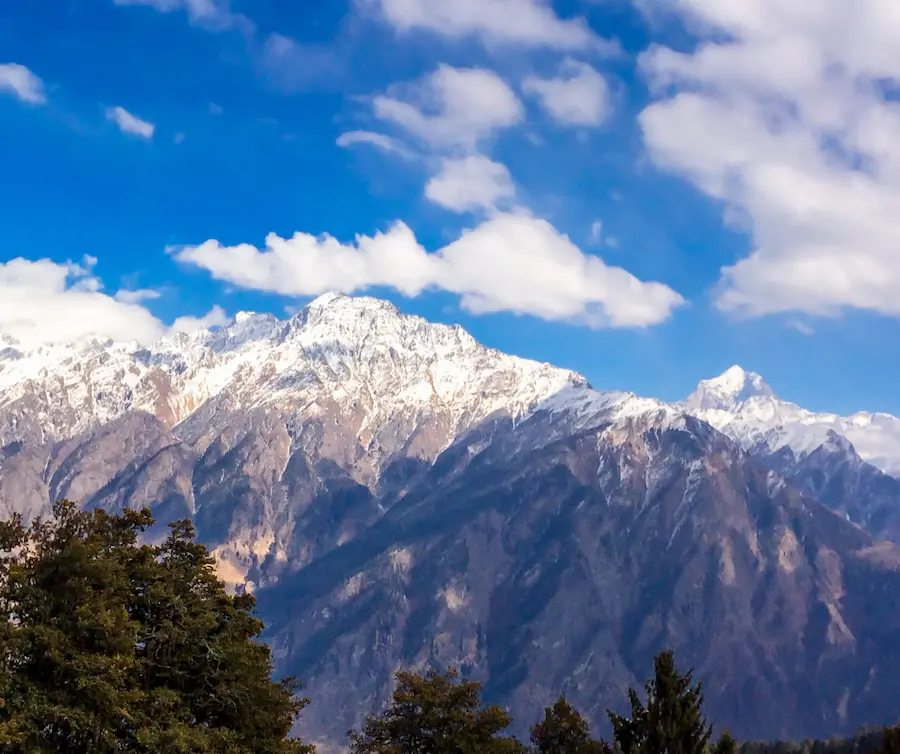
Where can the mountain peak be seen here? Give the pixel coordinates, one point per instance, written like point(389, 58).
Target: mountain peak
point(729, 390)
point(326, 299)
point(337, 301)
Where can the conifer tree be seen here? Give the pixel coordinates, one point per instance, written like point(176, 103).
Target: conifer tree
point(435, 713)
point(726, 744)
point(108, 645)
point(672, 720)
point(563, 731)
point(891, 741)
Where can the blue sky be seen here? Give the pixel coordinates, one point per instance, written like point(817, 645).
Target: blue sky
point(647, 193)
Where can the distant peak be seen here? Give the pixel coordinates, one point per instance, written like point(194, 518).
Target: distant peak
point(729, 390)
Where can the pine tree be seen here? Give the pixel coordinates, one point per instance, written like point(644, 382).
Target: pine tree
point(726, 744)
point(437, 713)
point(112, 646)
point(563, 731)
point(891, 741)
point(671, 722)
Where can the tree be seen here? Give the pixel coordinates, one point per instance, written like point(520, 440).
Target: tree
point(437, 713)
point(108, 645)
point(672, 721)
point(891, 742)
point(563, 731)
point(726, 744)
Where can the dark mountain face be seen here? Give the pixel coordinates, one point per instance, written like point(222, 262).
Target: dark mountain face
point(537, 556)
point(537, 574)
point(836, 476)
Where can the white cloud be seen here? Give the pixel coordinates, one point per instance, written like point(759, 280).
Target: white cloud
point(511, 262)
point(452, 107)
point(20, 81)
point(382, 141)
point(130, 124)
point(782, 113)
point(213, 15)
point(215, 317)
point(596, 231)
point(470, 183)
point(526, 23)
point(42, 301)
point(135, 297)
point(578, 97)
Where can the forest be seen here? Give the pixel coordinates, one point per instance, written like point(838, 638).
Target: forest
point(114, 645)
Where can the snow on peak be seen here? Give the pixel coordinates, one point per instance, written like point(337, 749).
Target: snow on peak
point(729, 390)
point(745, 408)
point(327, 299)
point(339, 353)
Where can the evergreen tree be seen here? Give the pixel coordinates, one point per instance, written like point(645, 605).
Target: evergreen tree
point(437, 713)
point(112, 646)
point(563, 731)
point(726, 744)
point(672, 720)
point(891, 741)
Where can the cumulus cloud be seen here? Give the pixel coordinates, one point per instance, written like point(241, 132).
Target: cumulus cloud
point(524, 23)
point(579, 96)
point(451, 107)
point(787, 114)
point(470, 183)
point(18, 80)
point(381, 141)
point(213, 15)
point(42, 301)
point(130, 124)
point(512, 262)
point(215, 317)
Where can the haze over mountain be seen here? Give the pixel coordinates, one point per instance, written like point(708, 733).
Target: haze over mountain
point(397, 495)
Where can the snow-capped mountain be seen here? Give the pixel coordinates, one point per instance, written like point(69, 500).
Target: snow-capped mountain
point(744, 407)
point(338, 350)
point(407, 383)
point(398, 495)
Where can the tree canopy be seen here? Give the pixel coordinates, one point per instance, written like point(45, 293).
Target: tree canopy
point(672, 721)
point(109, 645)
point(436, 713)
point(564, 731)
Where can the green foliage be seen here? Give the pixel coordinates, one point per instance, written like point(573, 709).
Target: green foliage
point(564, 731)
point(726, 744)
point(435, 714)
point(671, 722)
point(108, 645)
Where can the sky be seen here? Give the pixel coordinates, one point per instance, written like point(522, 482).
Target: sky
point(645, 191)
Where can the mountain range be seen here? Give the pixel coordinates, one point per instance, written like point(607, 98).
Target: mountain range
point(398, 495)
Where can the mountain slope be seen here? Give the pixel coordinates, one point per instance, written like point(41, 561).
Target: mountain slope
point(397, 494)
point(538, 574)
